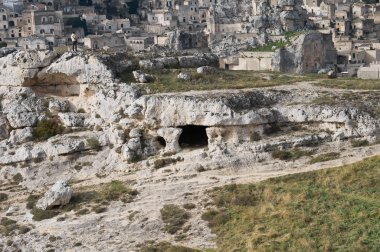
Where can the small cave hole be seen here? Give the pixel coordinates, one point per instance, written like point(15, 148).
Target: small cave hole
point(193, 136)
point(161, 141)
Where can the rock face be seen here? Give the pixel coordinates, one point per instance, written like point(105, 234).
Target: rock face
point(21, 67)
point(300, 57)
point(59, 195)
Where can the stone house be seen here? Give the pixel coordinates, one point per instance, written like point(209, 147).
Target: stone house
point(10, 23)
point(114, 25)
point(370, 72)
point(34, 43)
point(42, 22)
point(139, 43)
point(106, 40)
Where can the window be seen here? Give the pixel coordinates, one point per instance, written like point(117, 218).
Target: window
point(121, 25)
point(51, 19)
point(4, 17)
point(42, 31)
point(43, 19)
point(51, 31)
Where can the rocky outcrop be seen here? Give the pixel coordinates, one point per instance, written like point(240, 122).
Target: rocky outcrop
point(59, 195)
point(300, 56)
point(21, 67)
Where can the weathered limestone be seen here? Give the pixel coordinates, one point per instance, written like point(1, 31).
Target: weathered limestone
point(59, 195)
point(20, 68)
point(171, 136)
point(72, 119)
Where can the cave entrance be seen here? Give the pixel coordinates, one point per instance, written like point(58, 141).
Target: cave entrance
point(193, 136)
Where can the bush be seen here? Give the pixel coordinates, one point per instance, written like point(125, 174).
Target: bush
point(290, 154)
point(189, 206)
point(359, 143)
point(116, 190)
point(159, 163)
point(17, 178)
point(325, 157)
point(47, 128)
point(3, 197)
point(93, 143)
point(174, 218)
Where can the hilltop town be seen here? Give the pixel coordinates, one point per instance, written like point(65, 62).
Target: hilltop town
point(244, 34)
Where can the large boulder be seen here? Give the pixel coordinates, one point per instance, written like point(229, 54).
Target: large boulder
point(59, 195)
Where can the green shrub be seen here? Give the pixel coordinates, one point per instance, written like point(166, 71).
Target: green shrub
point(359, 143)
point(255, 136)
point(93, 143)
point(174, 218)
point(116, 190)
point(3, 197)
point(159, 163)
point(47, 128)
point(189, 206)
point(271, 129)
point(290, 154)
point(150, 246)
point(17, 178)
point(325, 157)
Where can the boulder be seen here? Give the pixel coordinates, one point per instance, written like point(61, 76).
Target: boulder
point(23, 119)
point(58, 106)
point(142, 77)
point(171, 136)
point(206, 70)
point(72, 119)
point(19, 136)
point(184, 76)
point(59, 195)
point(331, 74)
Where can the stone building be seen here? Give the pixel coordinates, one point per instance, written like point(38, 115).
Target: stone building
point(139, 43)
point(42, 22)
point(106, 40)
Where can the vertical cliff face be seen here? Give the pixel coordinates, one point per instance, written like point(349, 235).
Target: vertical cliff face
point(301, 56)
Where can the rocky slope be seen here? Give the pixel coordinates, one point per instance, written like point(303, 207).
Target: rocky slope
point(168, 147)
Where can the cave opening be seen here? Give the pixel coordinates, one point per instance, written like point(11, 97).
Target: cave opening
point(193, 136)
point(161, 141)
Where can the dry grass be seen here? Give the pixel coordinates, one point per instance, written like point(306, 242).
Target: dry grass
point(327, 210)
point(95, 197)
point(166, 80)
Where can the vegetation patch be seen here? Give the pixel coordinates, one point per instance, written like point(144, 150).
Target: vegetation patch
point(47, 128)
point(151, 246)
point(174, 218)
point(166, 80)
point(86, 200)
point(3, 197)
point(350, 83)
point(327, 210)
point(162, 162)
point(10, 227)
point(359, 143)
point(94, 144)
point(325, 157)
point(290, 154)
